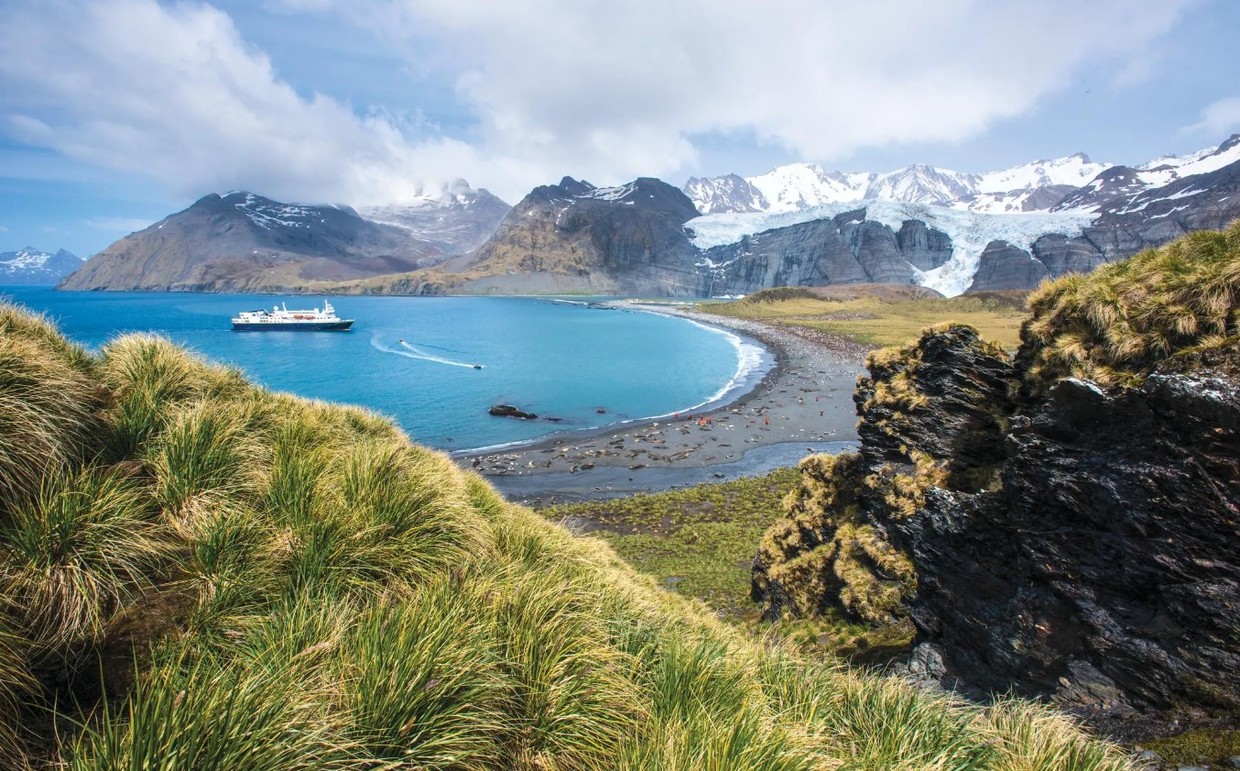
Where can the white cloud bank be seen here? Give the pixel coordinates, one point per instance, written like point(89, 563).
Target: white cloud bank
point(605, 90)
point(1218, 118)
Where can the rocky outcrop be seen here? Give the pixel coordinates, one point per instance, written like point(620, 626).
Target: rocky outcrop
point(1083, 547)
point(1070, 538)
point(846, 249)
point(1105, 571)
point(1003, 266)
point(509, 411)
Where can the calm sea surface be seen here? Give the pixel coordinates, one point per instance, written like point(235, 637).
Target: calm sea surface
point(555, 358)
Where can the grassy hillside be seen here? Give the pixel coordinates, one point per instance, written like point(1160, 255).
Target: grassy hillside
point(199, 574)
point(1115, 324)
point(881, 315)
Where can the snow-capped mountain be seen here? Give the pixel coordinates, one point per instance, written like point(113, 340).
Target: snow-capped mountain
point(456, 217)
point(1035, 186)
point(33, 266)
point(1119, 187)
point(1007, 229)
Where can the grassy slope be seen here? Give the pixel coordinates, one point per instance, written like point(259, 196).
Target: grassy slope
point(198, 574)
point(882, 319)
point(698, 541)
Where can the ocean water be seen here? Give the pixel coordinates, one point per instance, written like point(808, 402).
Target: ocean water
point(586, 366)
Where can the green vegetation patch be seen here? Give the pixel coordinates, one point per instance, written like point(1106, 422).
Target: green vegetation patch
point(1113, 325)
point(881, 319)
point(698, 541)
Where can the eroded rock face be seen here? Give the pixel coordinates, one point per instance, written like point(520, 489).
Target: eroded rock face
point(1083, 545)
point(931, 415)
point(1105, 572)
point(948, 398)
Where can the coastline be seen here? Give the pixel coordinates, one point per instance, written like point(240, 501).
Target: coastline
point(802, 404)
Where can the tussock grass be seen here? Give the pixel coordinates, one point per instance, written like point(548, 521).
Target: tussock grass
point(423, 681)
point(72, 557)
point(48, 406)
point(303, 589)
point(1114, 324)
point(150, 377)
point(212, 718)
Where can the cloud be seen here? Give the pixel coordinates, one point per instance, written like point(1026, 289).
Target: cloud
point(1217, 119)
point(602, 90)
point(174, 93)
point(618, 85)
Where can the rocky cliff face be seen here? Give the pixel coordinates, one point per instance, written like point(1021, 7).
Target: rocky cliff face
point(1069, 538)
point(847, 249)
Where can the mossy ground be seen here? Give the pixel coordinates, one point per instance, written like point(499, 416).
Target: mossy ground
point(882, 322)
point(700, 542)
point(1209, 747)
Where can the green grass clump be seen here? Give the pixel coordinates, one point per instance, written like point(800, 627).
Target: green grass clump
point(72, 557)
point(242, 580)
point(1114, 324)
point(49, 405)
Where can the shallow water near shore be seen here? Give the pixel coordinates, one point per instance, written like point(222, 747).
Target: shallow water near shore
point(584, 365)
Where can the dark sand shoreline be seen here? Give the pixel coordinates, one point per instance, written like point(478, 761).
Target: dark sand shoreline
point(802, 404)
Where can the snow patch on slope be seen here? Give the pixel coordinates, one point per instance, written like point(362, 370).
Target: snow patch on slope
point(970, 231)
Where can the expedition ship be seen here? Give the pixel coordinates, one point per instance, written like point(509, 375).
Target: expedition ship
point(313, 320)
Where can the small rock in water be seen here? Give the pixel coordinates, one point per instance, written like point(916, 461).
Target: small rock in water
point(509, 411)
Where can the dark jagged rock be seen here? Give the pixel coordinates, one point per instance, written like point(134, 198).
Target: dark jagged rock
point(949, 397)
point(1106, 564)
point(509, 411)
point(1003, 266)
point(925, 248)
point(1079, 545)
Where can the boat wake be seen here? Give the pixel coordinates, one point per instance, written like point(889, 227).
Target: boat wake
point(413, 352)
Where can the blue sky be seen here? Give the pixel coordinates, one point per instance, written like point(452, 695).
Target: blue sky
point(114, 113)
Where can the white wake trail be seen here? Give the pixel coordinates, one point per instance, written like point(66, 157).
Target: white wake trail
point(412, 352)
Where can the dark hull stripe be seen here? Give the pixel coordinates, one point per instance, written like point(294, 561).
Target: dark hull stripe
point(327, 326)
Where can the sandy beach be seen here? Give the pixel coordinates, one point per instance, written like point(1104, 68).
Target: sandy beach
point(803, 404)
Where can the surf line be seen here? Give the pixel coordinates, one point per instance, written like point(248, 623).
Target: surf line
point(413, 352)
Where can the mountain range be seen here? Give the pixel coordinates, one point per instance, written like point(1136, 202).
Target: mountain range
point(30, 266)
point(799, 224)
point(243, 242)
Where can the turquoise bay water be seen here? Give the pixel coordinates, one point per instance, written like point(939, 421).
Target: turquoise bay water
point(555, 358)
